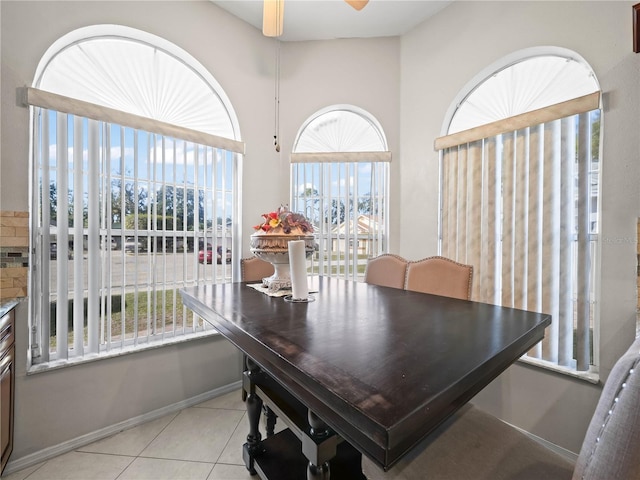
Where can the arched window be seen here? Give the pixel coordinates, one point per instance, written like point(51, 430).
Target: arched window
point(531, 83)
point(135, 154)
point(340, 180)
point(520, 196)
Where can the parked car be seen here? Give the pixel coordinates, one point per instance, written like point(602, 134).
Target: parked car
point(179, 245)
point(208, 255)
point(53, 249)
point(113, 245)
point(131, 246)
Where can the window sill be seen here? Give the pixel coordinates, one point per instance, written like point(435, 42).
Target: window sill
point(59, 364)
point(590, 376)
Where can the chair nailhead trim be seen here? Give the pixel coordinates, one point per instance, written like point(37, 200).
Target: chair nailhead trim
point(609, 415)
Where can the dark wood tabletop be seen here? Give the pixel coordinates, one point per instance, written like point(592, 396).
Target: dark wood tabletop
point(381, 366)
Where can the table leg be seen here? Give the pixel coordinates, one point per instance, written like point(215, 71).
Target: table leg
point(244, 362)
point(319, 430)
point(321, 472)
point(271, 421)
point(309, 448)
point(253, 446)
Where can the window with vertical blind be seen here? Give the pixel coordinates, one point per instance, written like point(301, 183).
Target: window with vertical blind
point(340, 181)
point(520, 202)
point(126, 208)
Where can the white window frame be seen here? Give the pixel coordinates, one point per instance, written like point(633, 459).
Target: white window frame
point(333, 174)
point(589, 172)
point(75, 146)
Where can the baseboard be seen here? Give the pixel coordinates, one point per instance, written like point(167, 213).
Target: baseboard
point(70, 445)
point(563, 452)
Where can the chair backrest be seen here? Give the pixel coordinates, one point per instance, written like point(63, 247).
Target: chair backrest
point(386, 270)
point(254, 269)
point(611, 446)
point(439, 276)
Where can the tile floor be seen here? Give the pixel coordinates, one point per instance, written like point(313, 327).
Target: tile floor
point(203, 442)
point(198, 443)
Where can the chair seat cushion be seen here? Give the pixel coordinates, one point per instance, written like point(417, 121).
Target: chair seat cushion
point(477, 446)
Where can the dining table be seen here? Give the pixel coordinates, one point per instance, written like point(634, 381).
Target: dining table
point(356, 369)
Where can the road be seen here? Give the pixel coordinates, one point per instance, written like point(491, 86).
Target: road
point(174, 270)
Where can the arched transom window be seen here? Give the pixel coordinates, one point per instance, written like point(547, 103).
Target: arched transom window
point(529, 84)
point(139, 73)
point(341, 130)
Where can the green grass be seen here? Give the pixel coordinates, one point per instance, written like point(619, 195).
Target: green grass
point(148, 308)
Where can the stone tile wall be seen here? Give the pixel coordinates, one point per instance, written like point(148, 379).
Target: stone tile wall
point(14, 254)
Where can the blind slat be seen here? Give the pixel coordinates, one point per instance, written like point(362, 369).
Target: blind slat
point(45, 228)
point(93, 212)
point(78, 236)
point(583, 259)
point(62, 237)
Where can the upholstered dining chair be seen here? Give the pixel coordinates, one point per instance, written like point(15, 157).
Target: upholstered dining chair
point(473, 445)
point(439, 276)
point(254, 269)
point(386, 270)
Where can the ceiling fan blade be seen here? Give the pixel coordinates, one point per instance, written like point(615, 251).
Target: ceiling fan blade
point(357, 4)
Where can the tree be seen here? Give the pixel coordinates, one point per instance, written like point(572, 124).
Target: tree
point(337, 212)
point(168, 203)
point(310, 200)
point(144, 222)
point(367, 205)
point(132, 200)
point(53, 203)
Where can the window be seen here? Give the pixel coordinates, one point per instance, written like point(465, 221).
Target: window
point(340, 181)
point(132, 198)
point(519, 199)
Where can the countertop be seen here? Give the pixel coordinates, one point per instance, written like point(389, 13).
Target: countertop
point(7, 306)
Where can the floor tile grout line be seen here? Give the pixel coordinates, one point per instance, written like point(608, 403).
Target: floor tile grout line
point(230, 437)
point(107, 454)
point(176, 415)
point(80, 449)
point(186, 460)
point(125, 468)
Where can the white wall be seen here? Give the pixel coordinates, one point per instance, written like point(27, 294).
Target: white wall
point(438, 58)
point(58, 406)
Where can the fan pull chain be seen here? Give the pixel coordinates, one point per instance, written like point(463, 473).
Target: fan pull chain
point(277, 101)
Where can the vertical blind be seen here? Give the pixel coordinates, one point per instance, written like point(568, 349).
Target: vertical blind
point(521, 207)
point(345, 195)
point(122, 219)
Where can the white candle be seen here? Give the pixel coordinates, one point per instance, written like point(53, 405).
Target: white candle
point(298, 267)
